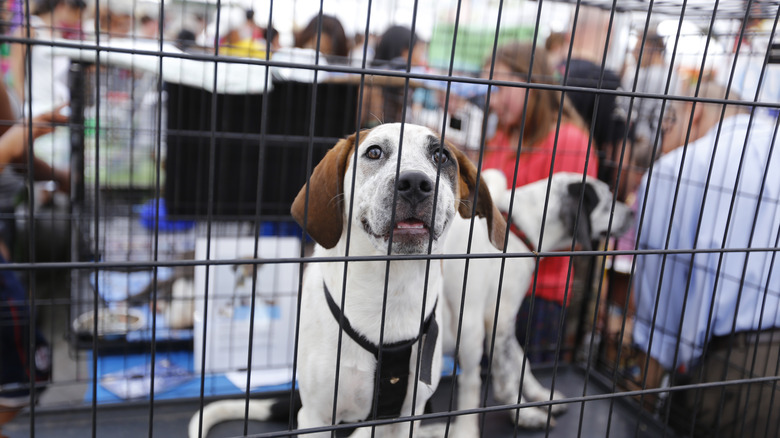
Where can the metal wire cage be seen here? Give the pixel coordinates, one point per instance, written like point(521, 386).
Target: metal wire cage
point(163, 271)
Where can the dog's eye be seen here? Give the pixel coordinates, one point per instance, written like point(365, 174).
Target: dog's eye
point(374, 152)
point(439, 156)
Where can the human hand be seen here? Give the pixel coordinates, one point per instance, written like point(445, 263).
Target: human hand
point(14, 144)
point(62, 177)
point(45, 123)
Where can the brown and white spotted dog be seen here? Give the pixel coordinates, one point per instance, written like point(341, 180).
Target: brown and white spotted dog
point(395, 190)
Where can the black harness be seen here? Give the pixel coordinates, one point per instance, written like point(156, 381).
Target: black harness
point(393, 370)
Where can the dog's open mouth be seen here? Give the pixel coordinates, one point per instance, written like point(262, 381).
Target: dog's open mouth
point(404, 229)
point(410, 227)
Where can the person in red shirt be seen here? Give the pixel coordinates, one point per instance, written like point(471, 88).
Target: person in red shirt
point(549, 136)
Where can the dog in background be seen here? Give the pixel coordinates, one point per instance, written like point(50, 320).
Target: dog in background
point(508, 370)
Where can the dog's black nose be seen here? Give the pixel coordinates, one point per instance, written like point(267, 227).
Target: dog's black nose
point(414, 186)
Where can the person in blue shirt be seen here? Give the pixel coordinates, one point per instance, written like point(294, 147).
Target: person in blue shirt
point(708, 302)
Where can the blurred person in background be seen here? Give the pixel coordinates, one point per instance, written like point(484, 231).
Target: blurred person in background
point(557, 46)
point(644, 125)
point(651, 74)
point(7, 26)
point(18, 376)
point(358, 45)
point(272, 38)
point(749, 53)
point(712, 316)
point(584, 69)
point(47, 80)
point(531, 129)
point(392, 49)
point(255, 31)
point(235, 35)
point(398, 48)
point(115, 18)
point(333, 41)
point(266, 37)
point(12, 181)
point(13, 169)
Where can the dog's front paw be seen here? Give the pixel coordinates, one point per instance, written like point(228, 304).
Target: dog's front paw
point(559, 408)
point(466, 426)
point(533, 418)
point(457, 429)
point(432, 430)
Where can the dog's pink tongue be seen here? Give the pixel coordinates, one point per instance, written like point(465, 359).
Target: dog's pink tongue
point(410, 224)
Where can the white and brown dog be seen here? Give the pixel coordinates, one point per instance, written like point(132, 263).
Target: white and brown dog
point(394, 190)
point(508, 371)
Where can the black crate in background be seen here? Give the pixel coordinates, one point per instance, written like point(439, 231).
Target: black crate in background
point(237, 140)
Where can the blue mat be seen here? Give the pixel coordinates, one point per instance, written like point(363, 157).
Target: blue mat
point(127, 377)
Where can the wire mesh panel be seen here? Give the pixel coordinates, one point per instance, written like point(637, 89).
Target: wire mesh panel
point(389, 218)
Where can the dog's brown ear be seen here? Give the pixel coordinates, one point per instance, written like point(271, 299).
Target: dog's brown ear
point(325, 219)
point(468, 196)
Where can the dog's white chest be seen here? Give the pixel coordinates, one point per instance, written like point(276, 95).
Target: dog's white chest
point(363, 303)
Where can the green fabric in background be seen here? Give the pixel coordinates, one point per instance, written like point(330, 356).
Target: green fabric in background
point(474, 45)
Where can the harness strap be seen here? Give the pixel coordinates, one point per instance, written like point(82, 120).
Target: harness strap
point(393, 370)
point(518, 232)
